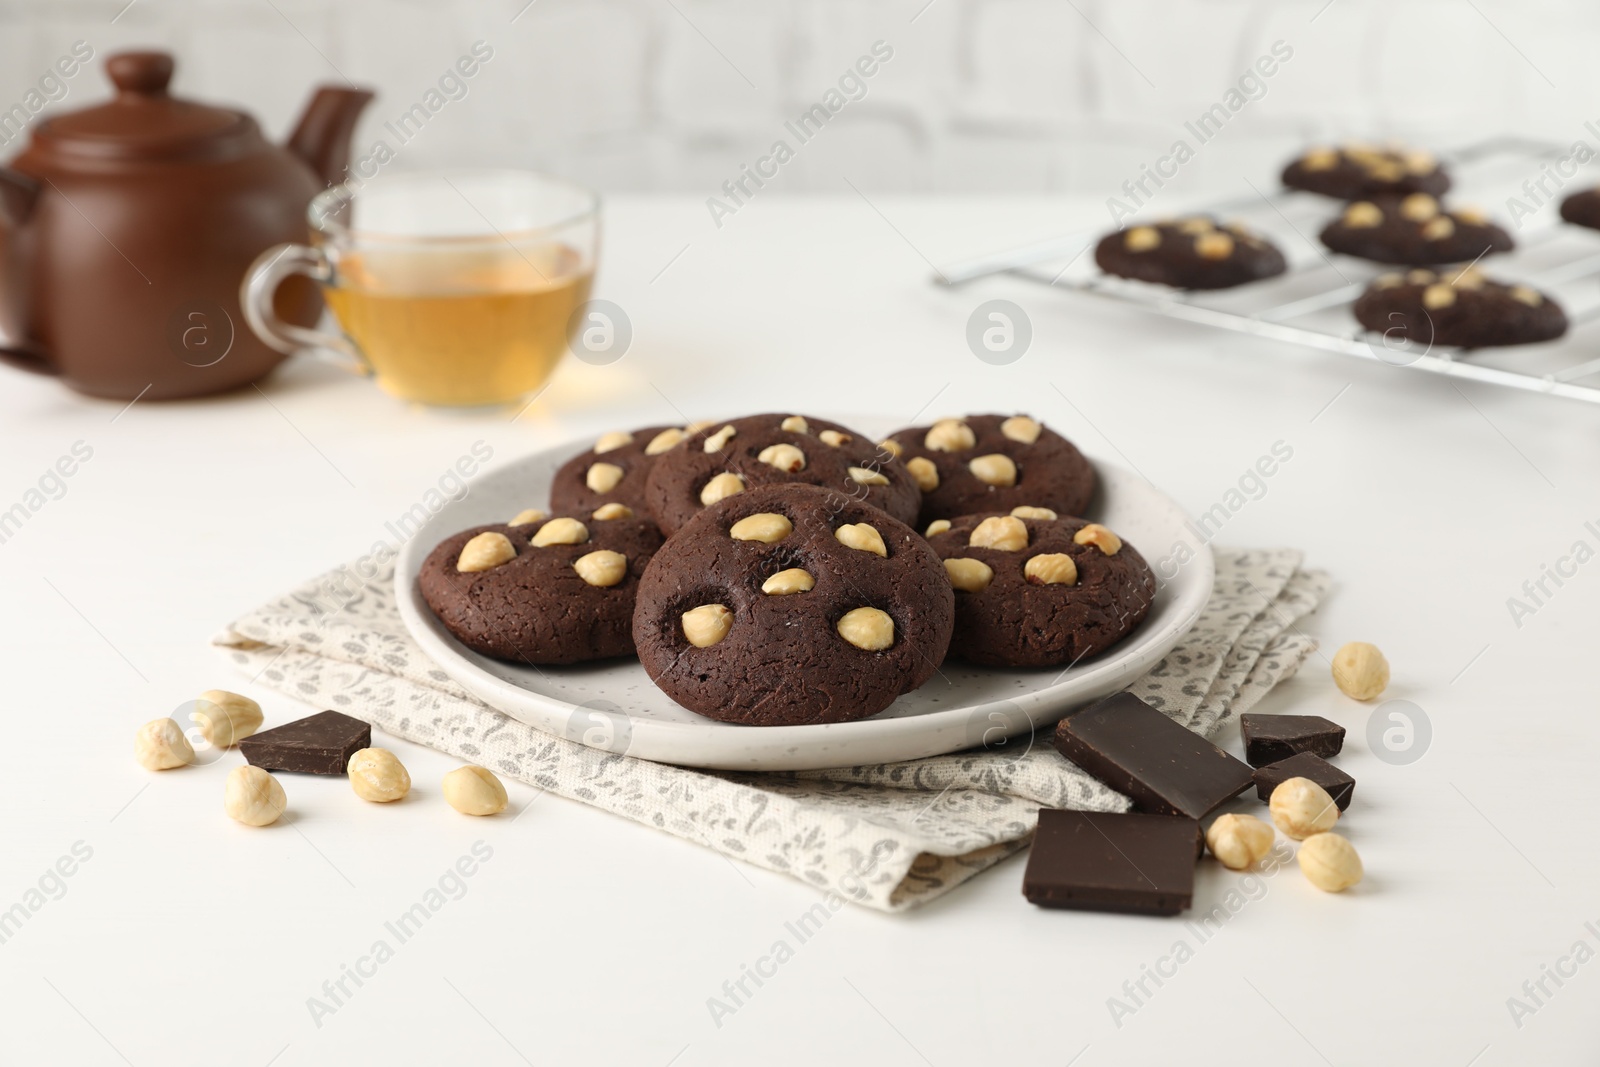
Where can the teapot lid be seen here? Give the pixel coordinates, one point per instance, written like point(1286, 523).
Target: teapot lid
point(143, 122)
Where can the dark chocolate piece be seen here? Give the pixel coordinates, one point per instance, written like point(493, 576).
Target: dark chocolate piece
point(1165, 768)
point(1104, 861)
point(318, 744)
point(1340, 786)
point(1270, 738)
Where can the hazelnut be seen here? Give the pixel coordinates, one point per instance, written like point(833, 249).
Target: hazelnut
point(485, 552)
point(160, 746)
point(1301, 807)
point(969, 575)
point(610, 442)
point(719, 440)
point(1239, 841)
point(1420, 277)
point(602, 477)
point(1360, 671)
point(700, 424)
point(767, 526)
point(253, 797)
point(226, 718)
point(1470, 215)
point(1213, 246)
point(1320, 159)
point(937, 526)
point(1438, 296)
point(784, 457)
point(893, 447)
point(474, 790)
point(1026, 512)
point(665, 440)
point(834, 438)
point(1021, 429)
point(864, 476)
point(1523, 295)
point(721, 487)
point(1418, 162)
point(376, 775)
point(561, 532)
point(1437, 229)
point(1385, 170)
point(606, 512)
point(527, 517)
point(1469, 278)
point(924, 473)
point(1051, 568)
point(949, 435)
point(869, 629)
point(1363, 215)
point(795, 424)
point(994, 469)
point(1388, 281)
point(862, 536)
point(1094, 534)
point(707, 624)
point(793, 580)
point(1005, 533)
point(1197, 225)
point(1419, 207)
point(1329, 862)
point(1142, 239)
point(602, 567)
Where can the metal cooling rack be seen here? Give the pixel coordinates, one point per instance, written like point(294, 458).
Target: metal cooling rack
point(1309, 305)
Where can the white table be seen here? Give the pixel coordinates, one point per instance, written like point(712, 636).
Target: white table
point(185, 938)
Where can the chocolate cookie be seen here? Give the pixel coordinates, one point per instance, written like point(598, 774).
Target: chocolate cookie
point(1356, 172)
point(992, 463)
point(1413, 230)
point(1459, 309)
point(1191, 253)
point(1583, 208)
point(614, 471)
point(730, 457)
point(1038, 591)
point(544, 591)
point(792, 604)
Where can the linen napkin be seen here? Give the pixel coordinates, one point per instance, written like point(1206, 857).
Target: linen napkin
point(887, 837)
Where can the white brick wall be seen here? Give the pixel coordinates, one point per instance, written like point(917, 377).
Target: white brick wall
point(980, 95)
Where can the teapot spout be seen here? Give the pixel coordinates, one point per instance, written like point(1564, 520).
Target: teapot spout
point(322, 139)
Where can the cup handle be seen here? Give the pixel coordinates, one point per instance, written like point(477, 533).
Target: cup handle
point(255, 297)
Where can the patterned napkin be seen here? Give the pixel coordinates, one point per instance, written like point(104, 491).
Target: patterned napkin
point(888, 837)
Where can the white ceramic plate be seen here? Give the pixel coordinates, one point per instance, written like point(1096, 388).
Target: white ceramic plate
point(614, 706)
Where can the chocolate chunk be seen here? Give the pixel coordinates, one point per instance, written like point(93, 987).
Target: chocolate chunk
point(1270, 738)
point(1165, 768)
point(1102, 861)
point(1340, 786)
point(318, 744)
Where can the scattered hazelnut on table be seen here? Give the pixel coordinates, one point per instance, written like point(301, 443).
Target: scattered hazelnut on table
point(1239, 841)
point(253, 797)
point(376, 775)
point(1330, 862)
point(160, 746)
point(485, 552)
point(1360, 671)
point(1301, 807)
point(225, 718)
point(474, 790)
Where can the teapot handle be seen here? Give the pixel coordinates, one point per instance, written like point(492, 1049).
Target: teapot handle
point(17, 196)
point(261, 282)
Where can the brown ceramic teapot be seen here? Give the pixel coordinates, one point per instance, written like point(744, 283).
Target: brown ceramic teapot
point(126, 228)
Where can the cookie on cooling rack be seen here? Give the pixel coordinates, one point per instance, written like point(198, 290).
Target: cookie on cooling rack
point(614, 471)
point(992, 463)
point(725, 458)
point(1355, 172)
point(541, 591)
point(1189, 253)
point(1413, 230)
point(792, 604)
point(1037, 590)
point(1458, 309)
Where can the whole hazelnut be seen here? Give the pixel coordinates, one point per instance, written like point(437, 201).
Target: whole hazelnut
point(1329, 862)
point(376, 775)
point(474, 790)
point(1360, 671)
point(226, 718)
point(253, 797)
point(160, 746)
point(1301, 807)
point(1239, 841)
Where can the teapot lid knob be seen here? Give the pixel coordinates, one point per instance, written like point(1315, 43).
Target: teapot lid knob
point(143, 73)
